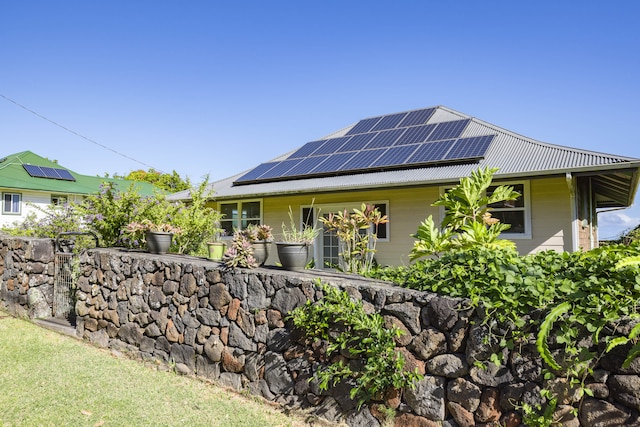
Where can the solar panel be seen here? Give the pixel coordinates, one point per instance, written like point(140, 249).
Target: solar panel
point(448, 130)
point(393, 141)
point(419, 117)
point(386, 138)
point(306, 166)
point(256, 172)
point(389, 122)
point(34, 171)
point(363, 126)
point(331, 146)
point(431, 152)
point(362, 160)
point(66, 175)
point(357, 142)
point(473, 147)
point(280, 168)
point(48, 172)
point(307, 149)
point(415, 134)
point(333, 163)
point(395, 156)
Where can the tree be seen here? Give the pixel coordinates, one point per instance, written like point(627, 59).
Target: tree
point(171, 182)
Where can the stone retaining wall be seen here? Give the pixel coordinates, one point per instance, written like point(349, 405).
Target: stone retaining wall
point(229, 326)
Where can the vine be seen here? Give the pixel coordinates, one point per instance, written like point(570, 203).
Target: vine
point(351, 335)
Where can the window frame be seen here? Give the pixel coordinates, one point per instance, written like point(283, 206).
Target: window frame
point(59, 199)
point(236, 223)
point(526, 199)
point(4, 203)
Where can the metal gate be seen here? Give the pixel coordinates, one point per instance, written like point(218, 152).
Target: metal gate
point(64, 282)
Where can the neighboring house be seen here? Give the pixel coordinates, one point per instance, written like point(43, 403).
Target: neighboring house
point(29, 182)
point(402, 163)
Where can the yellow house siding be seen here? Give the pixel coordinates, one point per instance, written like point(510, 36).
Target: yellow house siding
point(550, 211)
point(550, 217)
point(407, 208)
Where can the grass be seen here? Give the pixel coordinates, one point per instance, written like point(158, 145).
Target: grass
point(48, 379)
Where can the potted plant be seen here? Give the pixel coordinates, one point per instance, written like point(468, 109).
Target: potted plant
point(293, 248)
point(249, 247)
point(157, 236)
point(217, 247)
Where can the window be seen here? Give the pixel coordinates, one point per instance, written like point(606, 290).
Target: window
point(516, 213)
point(58, 200)
point(11, 203)
point(237, 215)
point(513, 212)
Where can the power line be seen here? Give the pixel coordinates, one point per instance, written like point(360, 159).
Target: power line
point(76, 133)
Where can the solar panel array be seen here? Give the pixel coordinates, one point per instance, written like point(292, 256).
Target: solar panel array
point(380, 143)
point(47, 172)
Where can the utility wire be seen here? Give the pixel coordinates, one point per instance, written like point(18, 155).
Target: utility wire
point(76, 133)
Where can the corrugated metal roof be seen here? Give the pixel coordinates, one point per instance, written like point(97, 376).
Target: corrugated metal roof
point(14, 176)
point(514, 155)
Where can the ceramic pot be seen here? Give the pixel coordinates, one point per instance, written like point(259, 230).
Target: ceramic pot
point(293, 256)
point(158, 242)
point(216, 250)
point(261, 251)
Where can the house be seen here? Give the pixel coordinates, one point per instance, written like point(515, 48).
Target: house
point(29, 182)
point(402, 162)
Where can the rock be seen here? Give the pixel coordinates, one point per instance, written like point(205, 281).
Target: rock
point(186, 354)
point(427, 398)
point(287, 299)
point(428, 343)
point(213, 348)
point(279, 340)
point(361, 418)
point(231, 362)
point(405, 337)
point(465, 393)
point(276, 374)
point(599, 413)
point(443, 313)
point(491, 375)
point(408, 313)
point(188, 285)
point(219, 296)
point(208, 317)
point(489, 408)
point(463, 417)
point(256, 294)
point(130, 333)
point(626, 390)
point(38, 305)
point(182, 369)
point(237, 338)
point(447, 365)
point(230, 380)
point(410, 420)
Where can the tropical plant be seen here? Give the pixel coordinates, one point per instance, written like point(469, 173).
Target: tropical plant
point(294, 234)
point(358, 236)
point(467, 221)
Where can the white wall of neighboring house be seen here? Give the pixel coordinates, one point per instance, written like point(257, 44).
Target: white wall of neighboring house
point(35, 202)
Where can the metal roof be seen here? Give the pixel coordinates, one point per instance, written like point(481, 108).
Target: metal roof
point(614, 177)
point(14, 176)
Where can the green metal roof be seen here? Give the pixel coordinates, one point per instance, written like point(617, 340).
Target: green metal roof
point(14, 176)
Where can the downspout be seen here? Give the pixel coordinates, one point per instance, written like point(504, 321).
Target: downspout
point(574, 213)
point(592, 242)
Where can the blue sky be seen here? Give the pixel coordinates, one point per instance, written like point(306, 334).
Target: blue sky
point(212, 87)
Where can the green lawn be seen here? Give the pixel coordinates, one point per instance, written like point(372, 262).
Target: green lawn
point(48, 379)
